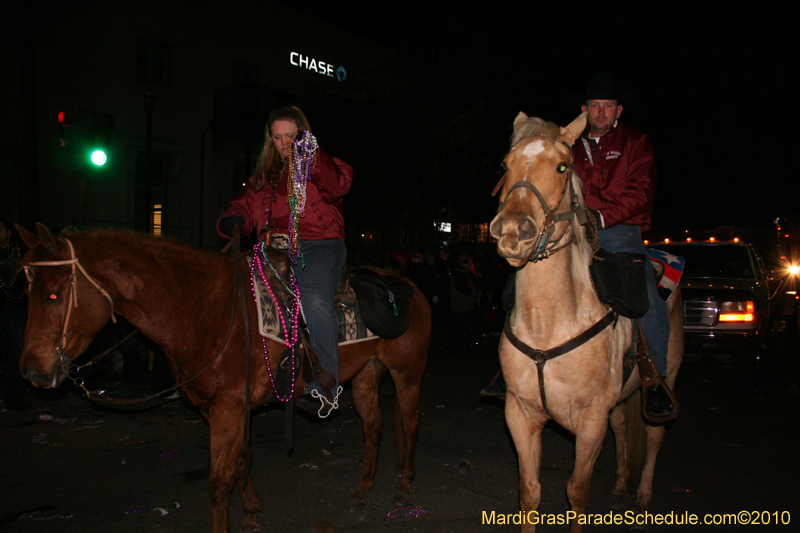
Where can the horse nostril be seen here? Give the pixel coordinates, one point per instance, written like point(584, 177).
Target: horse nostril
point(496, 228)
point(36, 376)
point(527, 229)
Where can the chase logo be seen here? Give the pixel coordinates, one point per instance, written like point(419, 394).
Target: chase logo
point(320, 67)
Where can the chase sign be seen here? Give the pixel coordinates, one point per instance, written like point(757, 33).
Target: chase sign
point(320, 67)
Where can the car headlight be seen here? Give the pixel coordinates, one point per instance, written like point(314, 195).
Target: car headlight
point(794, 269)
point(737, 311)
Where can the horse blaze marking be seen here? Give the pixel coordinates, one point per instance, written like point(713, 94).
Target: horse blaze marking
point(533, 149)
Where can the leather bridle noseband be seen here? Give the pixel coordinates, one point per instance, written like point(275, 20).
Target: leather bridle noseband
point(544, 248)
point(72, 298)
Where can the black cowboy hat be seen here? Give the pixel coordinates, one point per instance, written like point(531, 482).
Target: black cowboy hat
point(602, 87)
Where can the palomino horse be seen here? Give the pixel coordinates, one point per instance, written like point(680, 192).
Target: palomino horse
point(538, 231)
point(182, 298)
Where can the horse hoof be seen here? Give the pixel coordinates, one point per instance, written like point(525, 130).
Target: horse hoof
point(356, 503)
point(618, 502)
point(402, 498)
point(639, 509)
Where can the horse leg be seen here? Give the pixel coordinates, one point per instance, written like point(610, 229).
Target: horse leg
point(406, 428)
point(226, 422)
point(526, 430)
point(588, 441)
point(250, 500)
point(365, 400)
point(655, 434)
point(655, 437)
point(619, 425)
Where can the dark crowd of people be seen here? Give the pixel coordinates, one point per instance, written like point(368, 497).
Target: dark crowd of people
point(465, 299)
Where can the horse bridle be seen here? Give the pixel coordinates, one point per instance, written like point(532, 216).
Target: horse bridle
point(544, 248)
point(72, 298)
point(69, 368)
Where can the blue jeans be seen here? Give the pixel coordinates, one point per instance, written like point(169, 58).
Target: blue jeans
point(324, 261)
point(655, 323)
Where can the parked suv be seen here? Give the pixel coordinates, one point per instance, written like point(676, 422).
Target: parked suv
point(726, 297)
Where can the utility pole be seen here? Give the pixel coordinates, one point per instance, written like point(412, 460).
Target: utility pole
point(149, 107)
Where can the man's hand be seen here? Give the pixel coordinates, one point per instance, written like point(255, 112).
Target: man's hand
point(226, 225)
point(596, 215)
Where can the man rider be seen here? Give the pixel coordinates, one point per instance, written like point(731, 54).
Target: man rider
point(618, 168)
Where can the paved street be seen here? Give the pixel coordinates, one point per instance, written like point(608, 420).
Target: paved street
point(70, 467)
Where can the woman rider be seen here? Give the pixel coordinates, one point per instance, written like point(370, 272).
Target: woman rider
point(316, 238)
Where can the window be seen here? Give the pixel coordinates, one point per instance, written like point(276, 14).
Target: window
point(154, 62)
point(152, 217)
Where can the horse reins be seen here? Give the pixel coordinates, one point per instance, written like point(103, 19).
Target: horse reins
point(66, 363)
point(540, 357)
point(72, 298)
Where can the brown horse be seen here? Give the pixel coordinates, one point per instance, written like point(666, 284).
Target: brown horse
point(538, 230)
point(182, 298)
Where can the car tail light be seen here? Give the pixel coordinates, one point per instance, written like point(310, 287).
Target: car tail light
point(737, 311)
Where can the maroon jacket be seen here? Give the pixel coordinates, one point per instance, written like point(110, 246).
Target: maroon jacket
point(619, 175)
point(330, 181)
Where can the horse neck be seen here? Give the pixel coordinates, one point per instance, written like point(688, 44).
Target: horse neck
point(152, 282)
point(555, 292)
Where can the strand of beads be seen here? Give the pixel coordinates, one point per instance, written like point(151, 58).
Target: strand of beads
point(290, 335)
point(302, 158)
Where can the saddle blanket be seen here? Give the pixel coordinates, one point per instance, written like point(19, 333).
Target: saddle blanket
point(350, 326)
point(669, 269)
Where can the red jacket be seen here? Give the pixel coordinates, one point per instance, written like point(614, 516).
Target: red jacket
point(619, 175)
point(330, 181)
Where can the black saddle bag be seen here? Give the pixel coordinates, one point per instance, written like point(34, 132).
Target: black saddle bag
point(620, 282)
point(384, 302)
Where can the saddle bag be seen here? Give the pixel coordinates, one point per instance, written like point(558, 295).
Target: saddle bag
point(620, 282)
point(383, 301)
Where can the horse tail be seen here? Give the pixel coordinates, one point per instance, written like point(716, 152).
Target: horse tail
point(636, 435)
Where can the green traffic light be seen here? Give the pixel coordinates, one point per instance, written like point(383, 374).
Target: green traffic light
point(99, 158)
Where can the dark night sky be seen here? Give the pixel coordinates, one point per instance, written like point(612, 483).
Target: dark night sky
point(713, 85)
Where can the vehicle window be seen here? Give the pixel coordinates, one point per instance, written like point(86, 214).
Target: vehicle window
point(714, 261)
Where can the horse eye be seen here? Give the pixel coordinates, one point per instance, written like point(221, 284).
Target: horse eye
point(562, 168)
point(53, 297)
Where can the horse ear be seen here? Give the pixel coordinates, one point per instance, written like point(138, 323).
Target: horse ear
point(28, 238)
point(571, 133)
point(522, 117)
point(47, 239)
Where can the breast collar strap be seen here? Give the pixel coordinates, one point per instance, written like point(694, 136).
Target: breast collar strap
point(540, 357)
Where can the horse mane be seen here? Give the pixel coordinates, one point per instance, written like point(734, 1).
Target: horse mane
point(153, 251)
point(583, 247)
point(138, 239)
point(536, 127)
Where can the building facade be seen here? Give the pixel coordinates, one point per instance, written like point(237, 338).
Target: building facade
point(178, 93)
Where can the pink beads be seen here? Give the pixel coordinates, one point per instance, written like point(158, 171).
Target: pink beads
point(291, 334)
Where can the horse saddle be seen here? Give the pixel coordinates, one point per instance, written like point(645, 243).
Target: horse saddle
point(383, 300)
point(621, 283)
